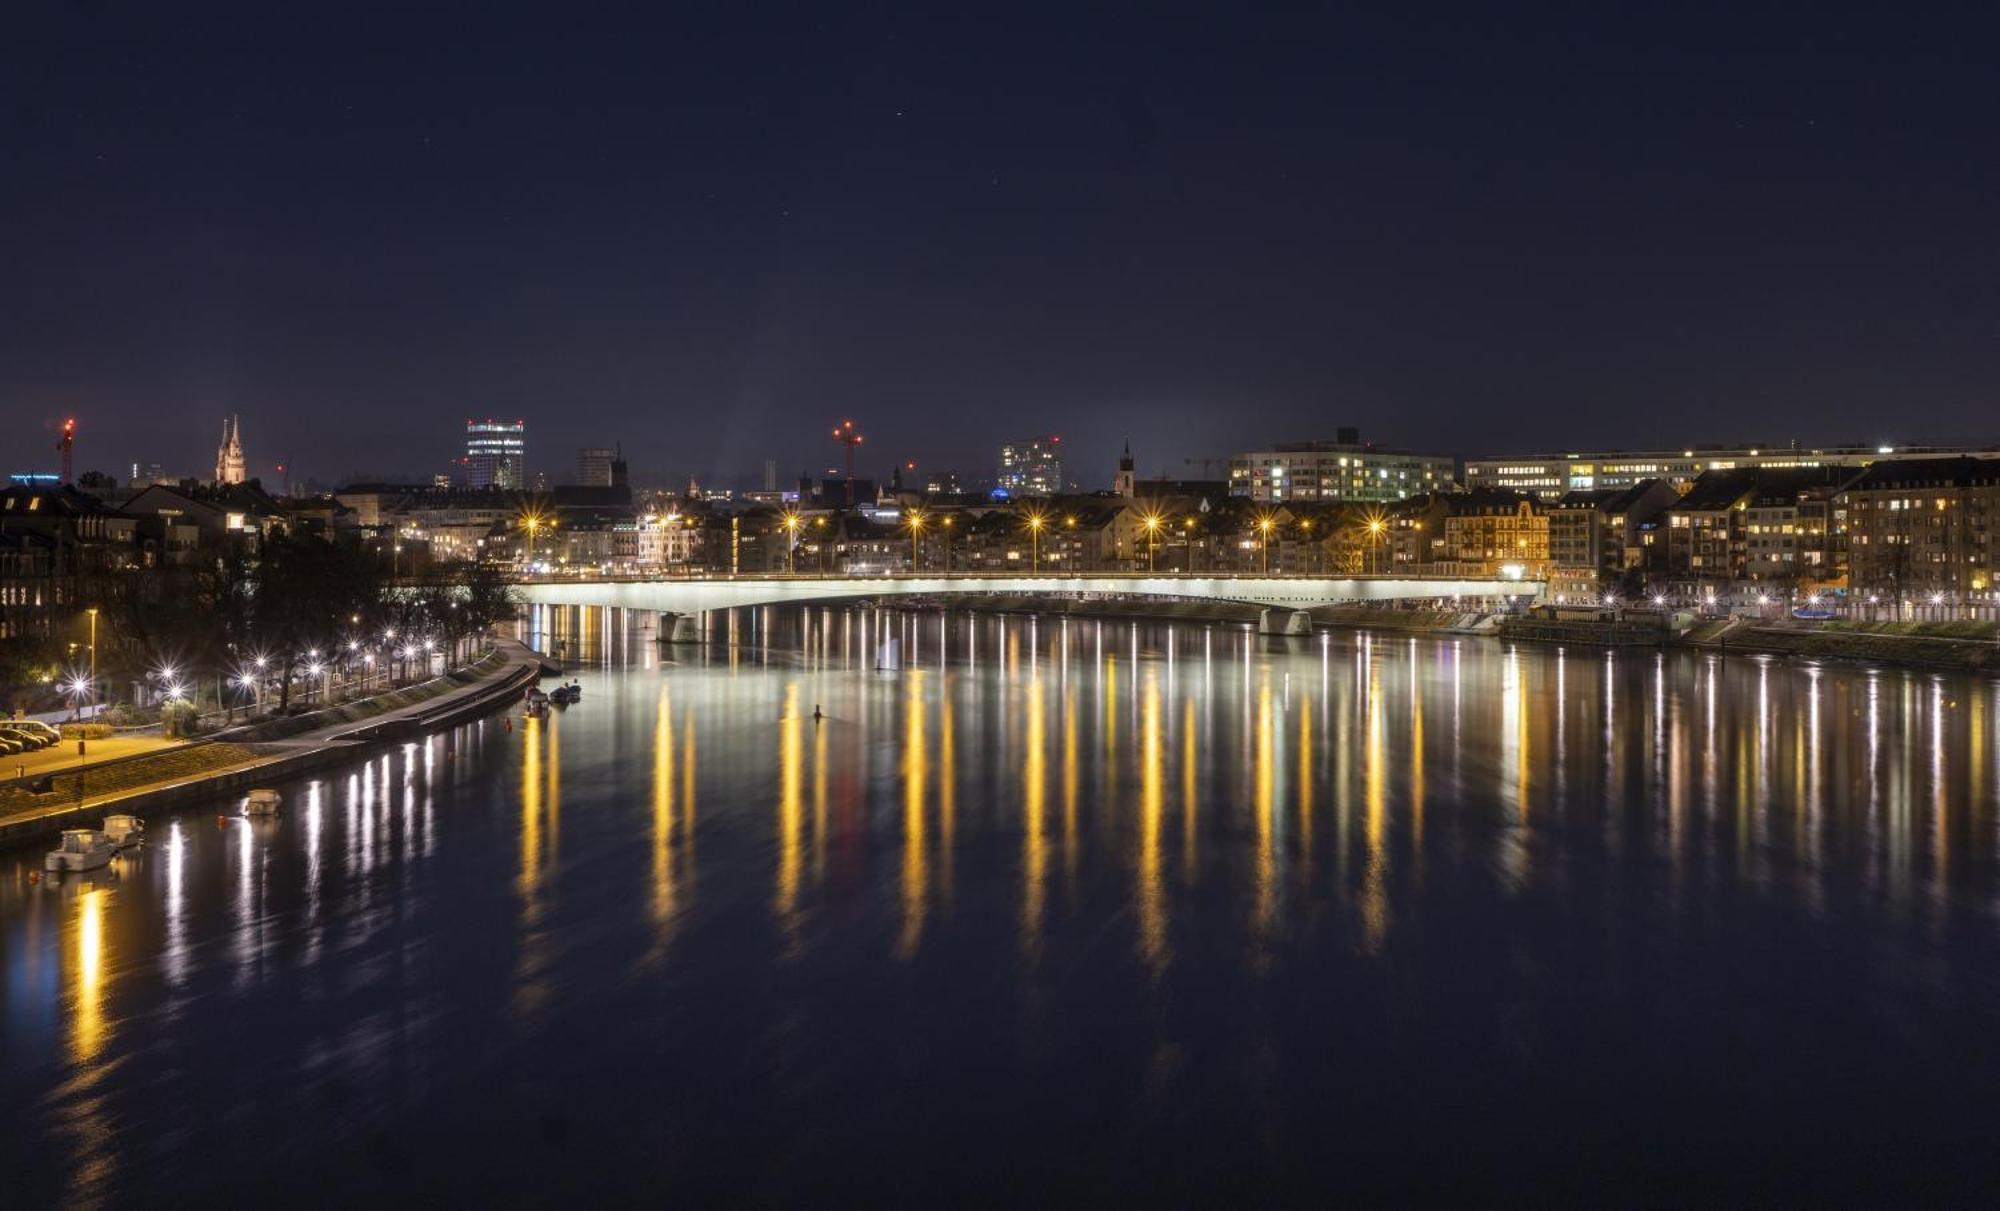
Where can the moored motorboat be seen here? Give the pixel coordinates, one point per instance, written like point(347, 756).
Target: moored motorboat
point(262, 802)
point(81, 849)
point(124, 832)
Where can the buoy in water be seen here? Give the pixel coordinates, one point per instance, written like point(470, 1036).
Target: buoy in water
point(34, 876)
point(222, 822)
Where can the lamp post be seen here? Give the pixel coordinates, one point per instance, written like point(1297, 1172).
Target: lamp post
point(916, 532)
point(92, 611)
point(1150, 523)
point(791, 543)
point(1265, 525)
point(1375, 528)
point(1035, 523)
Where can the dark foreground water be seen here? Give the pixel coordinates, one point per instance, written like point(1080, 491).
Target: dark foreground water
point(1083, 911)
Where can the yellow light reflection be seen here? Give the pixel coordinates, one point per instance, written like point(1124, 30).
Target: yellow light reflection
point(87, 1027)
point(1070, 782)
point(1374, 819)
point(1263, 805)
point(1034, 847)
point(531, 806)
point(916, 771)
point(1152, 805)
point(791, 805)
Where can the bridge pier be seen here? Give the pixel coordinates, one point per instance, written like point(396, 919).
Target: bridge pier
point(680, 628)
point(1275, 620)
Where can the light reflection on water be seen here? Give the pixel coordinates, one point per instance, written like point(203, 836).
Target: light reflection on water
point(1179, 879)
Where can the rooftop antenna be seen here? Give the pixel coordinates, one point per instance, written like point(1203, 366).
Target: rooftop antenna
point(67, 446)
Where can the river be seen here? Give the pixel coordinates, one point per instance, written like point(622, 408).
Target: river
point(1075, 910)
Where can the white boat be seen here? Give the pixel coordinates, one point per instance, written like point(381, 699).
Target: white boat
point(124, 832)
point(262, 802)
point(81, 849)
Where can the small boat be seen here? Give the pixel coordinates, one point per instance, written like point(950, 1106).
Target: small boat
point(81, 849)
point(537, 703)
point(565, 695)
point(124, 832)
point(262, 802)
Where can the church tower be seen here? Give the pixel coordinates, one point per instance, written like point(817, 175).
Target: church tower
point(229, 465)
point(1126, 483)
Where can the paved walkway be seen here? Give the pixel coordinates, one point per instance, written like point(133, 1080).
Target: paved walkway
point(63, 756)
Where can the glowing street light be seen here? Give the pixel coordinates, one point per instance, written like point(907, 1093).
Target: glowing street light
point(1150, 523)
point(1265, 525)
point(916, 520)
point(791, 523)
point(1036, 519)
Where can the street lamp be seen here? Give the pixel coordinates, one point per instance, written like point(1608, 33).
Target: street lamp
point(1036, 520)
point(1265, 525)
point(92, 611)
point(1375, 528)
point(791, 524)
point(1150, 523)
point(916, 532)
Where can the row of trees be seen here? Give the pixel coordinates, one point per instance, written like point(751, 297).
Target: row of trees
point(216, 629)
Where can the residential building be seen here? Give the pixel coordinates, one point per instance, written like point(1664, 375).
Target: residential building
point(1344, 469)
point(1493, 532)
point(1925, 526)
point(1763, 525)
point(221, 513)
point(1593, 538)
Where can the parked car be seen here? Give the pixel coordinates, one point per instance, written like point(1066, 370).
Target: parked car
point(38, 728)
point(11, 748)
point(29, 741)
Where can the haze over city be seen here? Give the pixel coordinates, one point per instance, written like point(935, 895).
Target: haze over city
point(708, 234)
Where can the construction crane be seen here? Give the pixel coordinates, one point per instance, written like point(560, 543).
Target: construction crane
point(66, 446)
point(847, 435)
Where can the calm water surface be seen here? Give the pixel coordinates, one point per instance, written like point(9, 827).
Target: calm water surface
point(1082, 910)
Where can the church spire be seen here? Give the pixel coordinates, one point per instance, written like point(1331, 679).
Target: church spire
point(230, 467)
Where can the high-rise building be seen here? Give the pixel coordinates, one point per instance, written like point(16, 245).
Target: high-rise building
point(593, 466)
point(496, 453)
point(230, 467)
point(1033, 467)
point(1345, 469)
point(770, 475)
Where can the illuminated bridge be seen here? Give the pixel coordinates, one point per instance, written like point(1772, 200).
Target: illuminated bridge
point(1284, 598)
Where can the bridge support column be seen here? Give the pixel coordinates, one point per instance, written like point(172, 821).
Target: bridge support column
point(680, 628)
point(1274, 620)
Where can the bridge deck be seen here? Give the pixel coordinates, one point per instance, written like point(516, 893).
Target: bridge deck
point(684, 595)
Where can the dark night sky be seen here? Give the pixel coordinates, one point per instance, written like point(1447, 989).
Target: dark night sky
point(709, 231)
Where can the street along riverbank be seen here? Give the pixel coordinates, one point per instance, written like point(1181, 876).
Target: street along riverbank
point(35, 808)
